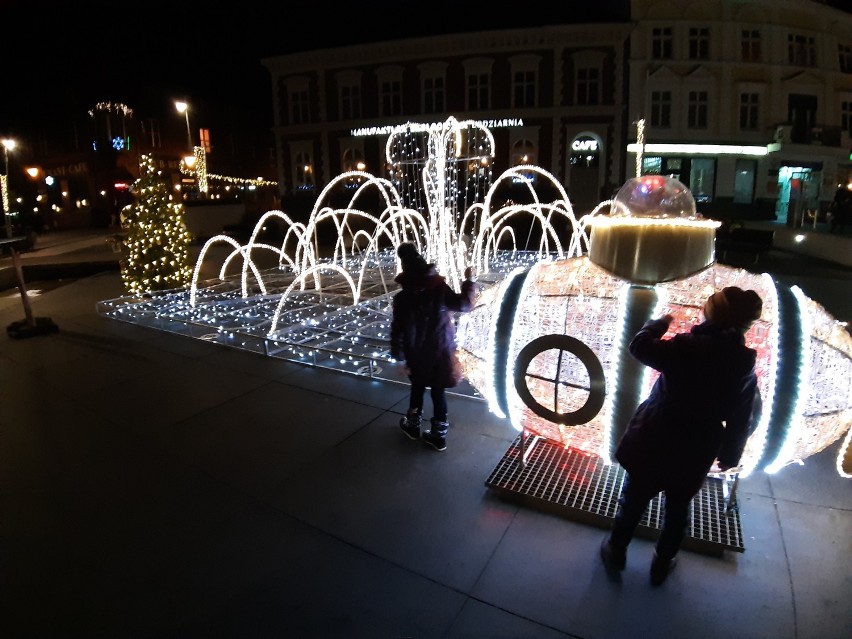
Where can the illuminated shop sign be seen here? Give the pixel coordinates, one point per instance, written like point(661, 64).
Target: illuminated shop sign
point(389, 128)
point(584, 151)
point(67, 170)
point(584, 145)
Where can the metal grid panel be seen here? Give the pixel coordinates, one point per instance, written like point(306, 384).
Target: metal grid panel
point(579, 486)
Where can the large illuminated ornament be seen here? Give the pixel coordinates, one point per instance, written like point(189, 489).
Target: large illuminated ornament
point(560, 315)
point(547, 347)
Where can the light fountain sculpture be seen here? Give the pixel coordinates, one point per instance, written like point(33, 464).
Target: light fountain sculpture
point(548, 346)
point(545, 344)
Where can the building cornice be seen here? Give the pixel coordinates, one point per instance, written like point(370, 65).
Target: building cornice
point(462, 44)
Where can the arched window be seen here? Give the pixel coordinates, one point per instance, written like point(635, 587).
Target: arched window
point(353, 160)
point(304, 172)
point(524, 153)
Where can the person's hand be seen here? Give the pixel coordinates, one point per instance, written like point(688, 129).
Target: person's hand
point(667, 319)
point(469, 273)
point(719, 467)
point(403, 367)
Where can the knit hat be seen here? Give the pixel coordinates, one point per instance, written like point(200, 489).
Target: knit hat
point(732, 306)
point(412, 261)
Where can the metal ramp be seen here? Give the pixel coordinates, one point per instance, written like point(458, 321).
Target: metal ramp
point(579, 486)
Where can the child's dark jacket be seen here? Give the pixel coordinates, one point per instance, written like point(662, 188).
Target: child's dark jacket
point(422, 329)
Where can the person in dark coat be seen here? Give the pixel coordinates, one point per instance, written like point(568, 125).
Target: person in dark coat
point(423, 339)
point(840, 210)
point(698, 415)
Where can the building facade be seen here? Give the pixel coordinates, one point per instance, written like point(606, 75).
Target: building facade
point(553, 97)
point(748, 103)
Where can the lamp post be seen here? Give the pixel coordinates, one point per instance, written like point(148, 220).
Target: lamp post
point(8, 145)
point(183, 107)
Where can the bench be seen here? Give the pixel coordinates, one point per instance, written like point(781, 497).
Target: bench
point(753, 242)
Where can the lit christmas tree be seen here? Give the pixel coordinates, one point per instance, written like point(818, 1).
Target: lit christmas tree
point(157, 240)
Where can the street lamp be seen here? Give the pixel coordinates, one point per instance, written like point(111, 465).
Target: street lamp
point(183, 107)
point(8, 145)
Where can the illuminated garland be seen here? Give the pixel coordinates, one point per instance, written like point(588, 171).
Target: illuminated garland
point(112, 107)
point(4, 187)
point(199, 172)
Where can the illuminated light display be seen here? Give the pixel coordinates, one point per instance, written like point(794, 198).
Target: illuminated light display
point(564, 314)
point(198, 170)
point(653, 233)
point(112, 107)
point(804, 355)
point(157, 241)
point(700, 149)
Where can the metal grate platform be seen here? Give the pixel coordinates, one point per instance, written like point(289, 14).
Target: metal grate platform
point(582, 487)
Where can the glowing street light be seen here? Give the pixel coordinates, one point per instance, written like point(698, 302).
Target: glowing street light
point(8, 145)
point(183, 107)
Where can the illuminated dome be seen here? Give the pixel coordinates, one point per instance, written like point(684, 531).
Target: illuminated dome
point(655, 196)
point(652, 233)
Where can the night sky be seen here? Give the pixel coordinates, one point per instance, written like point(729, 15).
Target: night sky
point(148, 54)
point(61, 58)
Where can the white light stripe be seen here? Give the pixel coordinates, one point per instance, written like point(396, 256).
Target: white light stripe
point(748, 464)
point(797, 423)
point(700, 149)
point(489, 392)
point(613, 375)
point(513, 402)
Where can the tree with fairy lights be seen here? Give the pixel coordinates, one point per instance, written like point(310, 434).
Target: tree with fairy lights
point(157, 240)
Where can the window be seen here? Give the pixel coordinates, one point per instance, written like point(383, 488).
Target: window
point(652, 165)
point(390, 90)
point(749, 110)
point(673, 167)
point(588, 86)
point(523, 89)
point(391, 97)
point(478, 82)
point(353, 160)
point(299, 107)
point(204, 140)
point(745, 172)
point(661, 109)
point(524, 74)
point(801, 50)
point(844, 54)
point(524, 153)
point(433, 86)
point(349, 94)
point(699, 43)
point(350, 102)
point(750, 45)
point(304, 172)
point(801, 114)
point(696, 110)
point(661, 43)
point(846, 116)
point(701, 179)
point(433, 95)
point(477, 91)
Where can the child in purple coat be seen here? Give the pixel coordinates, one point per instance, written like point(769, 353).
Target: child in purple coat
point(423, 339)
